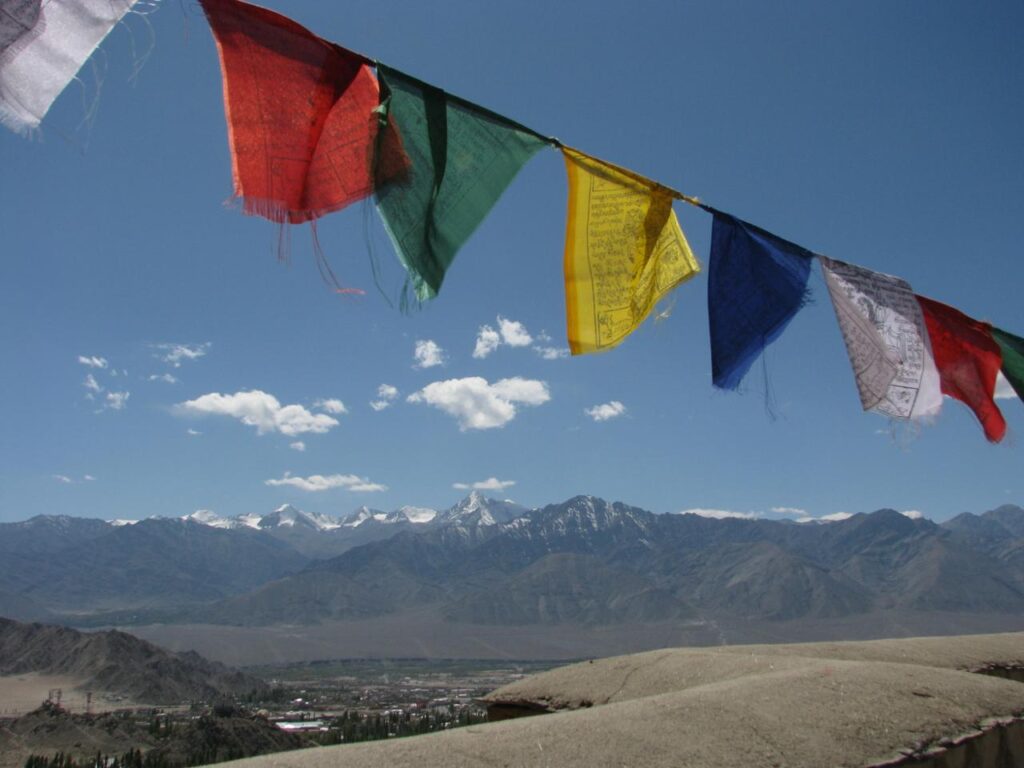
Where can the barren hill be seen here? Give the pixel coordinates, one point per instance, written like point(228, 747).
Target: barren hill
point(118, 663)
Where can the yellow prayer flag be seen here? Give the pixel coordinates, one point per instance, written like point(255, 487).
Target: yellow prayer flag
point(624, 251)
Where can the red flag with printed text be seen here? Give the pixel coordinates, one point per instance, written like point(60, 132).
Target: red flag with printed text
point(300, 114)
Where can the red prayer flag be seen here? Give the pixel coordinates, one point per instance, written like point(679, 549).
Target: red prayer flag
point(968, 359)
point(300, 114)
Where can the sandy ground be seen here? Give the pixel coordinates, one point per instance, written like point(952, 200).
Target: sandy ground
point(622, 678)
point(844, 705)
point(23, 693)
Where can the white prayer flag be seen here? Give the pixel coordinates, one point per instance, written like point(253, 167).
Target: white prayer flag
point(886, 339)
point(44, 44)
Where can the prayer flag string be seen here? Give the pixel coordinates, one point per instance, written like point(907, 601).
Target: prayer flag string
point(438, 163)
point(312, 128)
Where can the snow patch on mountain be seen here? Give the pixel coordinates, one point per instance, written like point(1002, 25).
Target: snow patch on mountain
point(362, 515)
point(418, 515)
point(210, 518)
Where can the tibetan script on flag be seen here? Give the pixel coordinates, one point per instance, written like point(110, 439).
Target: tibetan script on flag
point(886, 340)
point(624, 251)
point(300, 113)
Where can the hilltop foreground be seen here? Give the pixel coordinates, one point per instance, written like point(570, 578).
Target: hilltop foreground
point(936, 702)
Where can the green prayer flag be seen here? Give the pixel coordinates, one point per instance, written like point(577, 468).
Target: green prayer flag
point(462, 159)
point(1012, 348)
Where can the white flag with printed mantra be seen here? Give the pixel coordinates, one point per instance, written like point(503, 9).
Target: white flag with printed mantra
point(43, 44)
point(886, 339)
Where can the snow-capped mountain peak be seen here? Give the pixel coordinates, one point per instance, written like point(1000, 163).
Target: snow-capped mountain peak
point(287, 516)
point(418, 515)
point(362, 515)
point(250, 520)
point(210, 518)
point(477, 509)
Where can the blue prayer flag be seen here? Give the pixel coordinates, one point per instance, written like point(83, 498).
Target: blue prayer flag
point(756, 284)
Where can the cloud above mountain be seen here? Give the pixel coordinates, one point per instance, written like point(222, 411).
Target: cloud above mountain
point(93, 361)
point(490, 484)
point(320, 483)
point(510, 333)
point(331, 405)
point(175, 354)
point(259, 409)
point(386, 395)
point(606, 411)
point(477, 404)
point(719, 514)
point(427, 354)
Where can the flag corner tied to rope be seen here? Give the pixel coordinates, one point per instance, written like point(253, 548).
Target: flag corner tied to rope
point(968, 359)
point(886, 340)
point(624, 251)
point(757, 282)
point(462, 158)
point(300, 114)
point(42, 47)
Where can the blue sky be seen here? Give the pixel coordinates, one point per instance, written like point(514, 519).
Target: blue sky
point(883, 134)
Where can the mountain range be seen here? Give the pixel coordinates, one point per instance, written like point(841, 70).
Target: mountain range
point(582, 562)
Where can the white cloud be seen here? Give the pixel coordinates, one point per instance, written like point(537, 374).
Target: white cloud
point(116, 401)
point(386, 395)
point(511, 333)
point(63, 479)
point(719, 514)
point(298, 445)
point(193, 432)
point(427, 354)
point(606, 411)
point(92, 385)
point(913, 514)
point(174, 354)
point(261, 410)
point(792, 511)
point(490, 484)
point(93, 361)
point(487, 340)
point(551, 353)
point(332, 405)
point(476, 404)
point(1004, 391)
point(514, 333)
point(88, 478)
point(164, 377)
point(318, 483)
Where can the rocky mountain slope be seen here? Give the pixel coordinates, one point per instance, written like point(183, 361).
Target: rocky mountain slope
point(484, 561)
point(117, 663)
point(59, 567)
point(587, 561)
